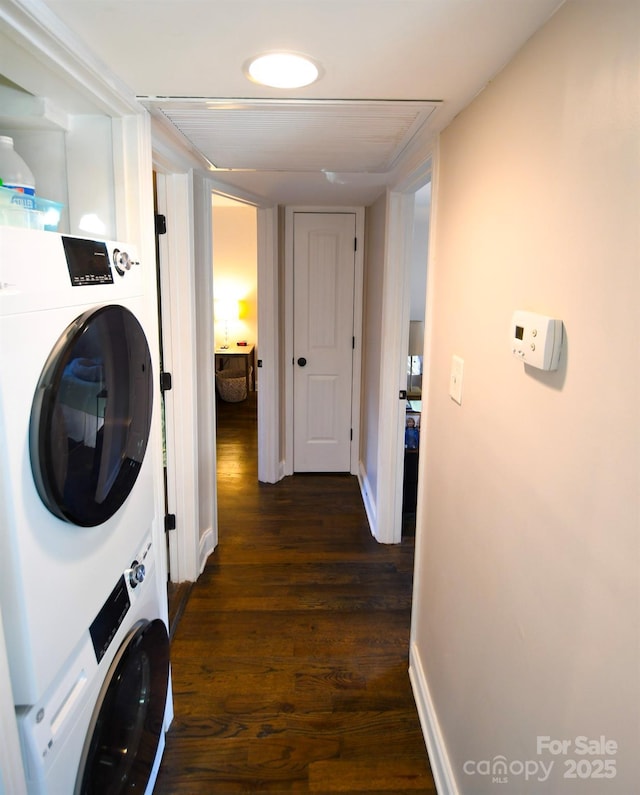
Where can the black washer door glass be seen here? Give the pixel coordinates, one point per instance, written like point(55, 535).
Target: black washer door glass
point(91, 416)
point(128, 719)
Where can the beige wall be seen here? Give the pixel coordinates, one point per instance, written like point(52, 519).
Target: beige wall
point(527, 603)
point(235, 268)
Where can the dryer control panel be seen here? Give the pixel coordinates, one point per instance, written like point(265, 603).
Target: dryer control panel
point(88, 261)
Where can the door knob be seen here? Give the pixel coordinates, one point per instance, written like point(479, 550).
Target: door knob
point(302, 361)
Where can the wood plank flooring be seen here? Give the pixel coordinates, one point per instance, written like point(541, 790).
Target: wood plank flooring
point(290, 659)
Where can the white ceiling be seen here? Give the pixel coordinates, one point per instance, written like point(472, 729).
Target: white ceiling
point(417, 63)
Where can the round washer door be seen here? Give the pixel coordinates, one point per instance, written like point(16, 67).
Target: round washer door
point(91, 416)
point(127, 721)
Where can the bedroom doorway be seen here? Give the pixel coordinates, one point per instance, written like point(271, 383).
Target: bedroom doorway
point(415, 355)
point(235, 296)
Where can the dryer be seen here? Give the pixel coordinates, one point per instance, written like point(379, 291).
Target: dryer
point(76, 396)
point(99, 728)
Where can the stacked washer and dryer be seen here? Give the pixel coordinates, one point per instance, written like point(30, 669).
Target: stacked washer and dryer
point(83, 606)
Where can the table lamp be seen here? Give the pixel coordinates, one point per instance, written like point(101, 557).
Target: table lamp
point(226, 309)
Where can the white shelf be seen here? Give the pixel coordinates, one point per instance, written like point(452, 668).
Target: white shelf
point(20, 110)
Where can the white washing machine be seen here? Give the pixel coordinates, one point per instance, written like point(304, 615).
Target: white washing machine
point(100, 726)
point(76, 396)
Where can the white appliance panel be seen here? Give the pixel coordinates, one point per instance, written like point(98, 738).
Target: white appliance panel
point(53, 575)
point(53, 731)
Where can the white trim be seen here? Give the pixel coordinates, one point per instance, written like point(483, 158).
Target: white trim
point(438, 758)
point(204, 373)
point(366, 492)
point(395, 336)
point(36, 28)
point(133, 193)
point(426, 385)
point(268, 342)
point(288, 341)
point(357, 331)
point(208, 542)
point(436, 747)
point(179, 344)
point(358, 311)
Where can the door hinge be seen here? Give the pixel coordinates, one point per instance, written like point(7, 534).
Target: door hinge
point(355, 243)
point(353, 343)
point(403, 394)
point(165, 382)
point(351, 434)
point(161, 224)
point(169, 522)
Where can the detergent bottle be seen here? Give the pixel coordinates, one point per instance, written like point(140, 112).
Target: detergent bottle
point(14, 172)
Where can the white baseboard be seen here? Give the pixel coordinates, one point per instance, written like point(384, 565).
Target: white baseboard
point(206, 547)
point(367, 499)
point(438, 757)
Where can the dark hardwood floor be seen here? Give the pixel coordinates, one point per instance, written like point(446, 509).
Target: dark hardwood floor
point(290, 659)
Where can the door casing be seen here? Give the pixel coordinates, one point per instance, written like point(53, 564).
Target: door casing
point(395, 335)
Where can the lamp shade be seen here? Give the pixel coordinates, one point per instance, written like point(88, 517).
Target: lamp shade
point(226, 309)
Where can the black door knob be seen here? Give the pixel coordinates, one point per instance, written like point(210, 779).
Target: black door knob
point(302, 361)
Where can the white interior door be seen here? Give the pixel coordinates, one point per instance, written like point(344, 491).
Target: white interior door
point(323, 275)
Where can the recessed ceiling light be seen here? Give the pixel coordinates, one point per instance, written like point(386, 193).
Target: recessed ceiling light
point(282, 70)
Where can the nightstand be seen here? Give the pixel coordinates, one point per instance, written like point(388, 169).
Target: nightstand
point(243, 352)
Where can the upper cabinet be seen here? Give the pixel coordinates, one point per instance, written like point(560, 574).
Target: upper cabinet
point(83, 136)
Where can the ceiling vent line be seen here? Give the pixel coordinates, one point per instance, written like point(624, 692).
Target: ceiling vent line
point(361, 136)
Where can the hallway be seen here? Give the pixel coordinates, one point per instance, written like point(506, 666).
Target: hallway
point(290, 660)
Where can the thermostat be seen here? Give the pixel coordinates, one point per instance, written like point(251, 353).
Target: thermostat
point(536, 339)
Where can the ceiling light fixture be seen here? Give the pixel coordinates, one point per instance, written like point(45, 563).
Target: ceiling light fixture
point(282, 70)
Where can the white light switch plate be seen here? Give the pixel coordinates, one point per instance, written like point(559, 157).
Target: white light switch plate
point(455, 380)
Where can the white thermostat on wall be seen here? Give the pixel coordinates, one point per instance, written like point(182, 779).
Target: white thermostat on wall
point(536, 339)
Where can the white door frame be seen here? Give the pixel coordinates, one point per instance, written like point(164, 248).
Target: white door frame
point(395, 340)
point(288, 334)
point(393, 368)
point(175, 202)
point(185, 200)
point(269, 464)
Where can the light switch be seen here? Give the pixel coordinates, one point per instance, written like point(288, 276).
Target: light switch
point(455, 380)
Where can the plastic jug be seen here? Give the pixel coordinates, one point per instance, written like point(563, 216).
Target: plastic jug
point(14, 172)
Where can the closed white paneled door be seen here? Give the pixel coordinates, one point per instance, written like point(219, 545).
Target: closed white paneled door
point(324, 271)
